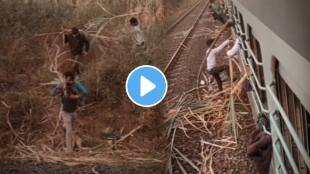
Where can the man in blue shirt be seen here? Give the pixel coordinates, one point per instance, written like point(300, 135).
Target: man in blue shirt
point(72, 94)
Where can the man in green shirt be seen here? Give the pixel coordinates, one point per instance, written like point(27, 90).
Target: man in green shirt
point(72, 93)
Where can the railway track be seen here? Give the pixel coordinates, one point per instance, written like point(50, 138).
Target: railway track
point(185, 42)
point(186, 50)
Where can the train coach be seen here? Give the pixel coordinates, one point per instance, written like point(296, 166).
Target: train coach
point(275, 36)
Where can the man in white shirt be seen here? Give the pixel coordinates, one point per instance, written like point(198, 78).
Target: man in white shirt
point(235, 49)
point(213, 65)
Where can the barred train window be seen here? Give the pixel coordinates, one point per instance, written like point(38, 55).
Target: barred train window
point(299, 117)
point(255, 46)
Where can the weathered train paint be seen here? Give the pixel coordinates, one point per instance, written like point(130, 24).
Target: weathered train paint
point(281, 29)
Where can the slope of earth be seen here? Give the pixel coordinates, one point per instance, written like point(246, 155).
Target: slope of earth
point(31, 167)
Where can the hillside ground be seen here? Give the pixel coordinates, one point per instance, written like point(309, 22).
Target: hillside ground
point(32, 136)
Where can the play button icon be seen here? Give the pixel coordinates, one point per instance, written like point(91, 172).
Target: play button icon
point(146, 86)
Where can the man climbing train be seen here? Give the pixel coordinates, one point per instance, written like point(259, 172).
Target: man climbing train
point(214, 66)
point(79, 46)
point(72, 94)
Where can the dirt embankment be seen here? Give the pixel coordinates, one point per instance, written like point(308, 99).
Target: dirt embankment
point(29, 167)
point(31, 131)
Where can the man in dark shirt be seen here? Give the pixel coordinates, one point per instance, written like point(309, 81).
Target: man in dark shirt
point(79, 45)
point(72, 92)
point(260, 150)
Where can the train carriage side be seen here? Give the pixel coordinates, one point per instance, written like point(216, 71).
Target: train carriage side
point(275, 36)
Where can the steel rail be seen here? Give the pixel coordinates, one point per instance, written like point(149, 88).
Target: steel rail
point(189, 32)
point(182, 17)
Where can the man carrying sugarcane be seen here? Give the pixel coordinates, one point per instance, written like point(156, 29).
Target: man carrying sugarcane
point(79, 46)
point(72, 94)
point(214, 66)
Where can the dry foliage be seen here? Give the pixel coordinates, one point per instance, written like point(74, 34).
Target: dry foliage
point(34, 58)
point(213, 122)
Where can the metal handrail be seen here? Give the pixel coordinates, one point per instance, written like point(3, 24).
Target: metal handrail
point(236, 19)
point(266, 131)
point(261, 106)
point(241, 33)
point(290, 127)
point(252, 54)
point(244, 60)
point(260, 86)
point(243, 45)
point(264, 110)
point(283, 143)
point(239, 30)
point(278, 157)
point(260, 103)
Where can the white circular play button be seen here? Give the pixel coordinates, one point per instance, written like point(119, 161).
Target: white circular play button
point(146, 86)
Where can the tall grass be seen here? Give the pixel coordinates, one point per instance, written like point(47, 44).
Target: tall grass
point(24, 62)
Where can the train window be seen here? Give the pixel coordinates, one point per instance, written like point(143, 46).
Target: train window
point(255, 46)
point(299, 118)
